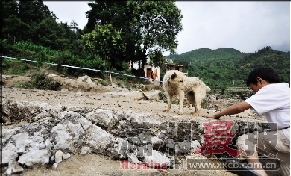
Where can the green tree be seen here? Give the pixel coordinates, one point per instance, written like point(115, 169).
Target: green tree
point(113, 13)
point(144, 25)
point(11, 23)
point(155, 25)
point(104, 41)
point(157, 58)
point(47, 33)
point(33, 12)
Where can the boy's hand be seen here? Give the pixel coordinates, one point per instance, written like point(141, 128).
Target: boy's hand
point(213, 116)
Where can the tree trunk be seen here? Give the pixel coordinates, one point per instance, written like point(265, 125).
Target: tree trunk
point(144, 58)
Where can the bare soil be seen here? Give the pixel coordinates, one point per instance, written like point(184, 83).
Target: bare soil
point(105, 97)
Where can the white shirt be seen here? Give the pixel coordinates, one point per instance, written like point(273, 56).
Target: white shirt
point(273, 100)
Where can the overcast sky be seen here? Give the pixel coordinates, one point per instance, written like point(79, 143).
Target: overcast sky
point(245, 26)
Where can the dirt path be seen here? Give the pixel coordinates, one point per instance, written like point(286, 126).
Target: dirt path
point(90, 164)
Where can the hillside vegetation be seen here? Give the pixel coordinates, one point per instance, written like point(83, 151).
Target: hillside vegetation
point(228, 67)
point(112, 38)
point(116, 33)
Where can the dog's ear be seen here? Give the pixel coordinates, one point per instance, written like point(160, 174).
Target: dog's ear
point(208, 89)
point(174, 75)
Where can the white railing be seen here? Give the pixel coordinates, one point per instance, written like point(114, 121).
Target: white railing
point(70, 66)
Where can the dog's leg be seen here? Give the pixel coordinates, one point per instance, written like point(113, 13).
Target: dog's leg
point(169, 98)
point(181, 96)
point(191, 98)
point(198, 100)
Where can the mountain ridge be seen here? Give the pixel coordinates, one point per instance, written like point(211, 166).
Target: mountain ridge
point(226, 67)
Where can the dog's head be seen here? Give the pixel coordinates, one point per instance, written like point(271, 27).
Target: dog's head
point(176, 78)
point(174, 75)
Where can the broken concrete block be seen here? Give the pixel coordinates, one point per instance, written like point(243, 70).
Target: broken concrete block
point(59, 156)
point(66, 156)
point(34, 157)
point(157, 159)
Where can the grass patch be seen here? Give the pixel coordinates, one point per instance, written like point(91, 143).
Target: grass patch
point(15, 67)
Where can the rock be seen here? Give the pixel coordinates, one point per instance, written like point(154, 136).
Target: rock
point(48, 144)
point(52, 75)
point(66, 156)
point(85, 150)
point(55, 165)
point(21, 141)
point(86, 79)
point(118, 148)
point(56, 132)
point(9, 152)
point(14, 168)
point(19, 110)
point(195, 144)
point(64, 90)
point(63, 138)
point(133, 159)
point(105, 118)
point(98, 139)
point(59, 156)
point(8, 132)
point(85, 123)
point(152, 95)
point(157, 159)
point(37, 143)
point(35, 157)
point(156, 141)
point(182, 147)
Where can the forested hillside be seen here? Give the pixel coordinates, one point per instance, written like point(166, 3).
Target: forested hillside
point(116, 32)
point(226, 67)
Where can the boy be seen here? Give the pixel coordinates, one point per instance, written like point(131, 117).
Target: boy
point(271, 98)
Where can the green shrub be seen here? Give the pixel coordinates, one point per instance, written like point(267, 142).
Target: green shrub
point(41, 81)
point(103, 82)
point(24, 85)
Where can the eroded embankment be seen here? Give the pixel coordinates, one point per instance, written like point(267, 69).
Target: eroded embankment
point(42, 134)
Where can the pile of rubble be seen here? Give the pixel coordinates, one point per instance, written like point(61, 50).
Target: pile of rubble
point(42, 134)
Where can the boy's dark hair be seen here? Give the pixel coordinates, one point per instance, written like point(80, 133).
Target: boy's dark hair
point(267, 74)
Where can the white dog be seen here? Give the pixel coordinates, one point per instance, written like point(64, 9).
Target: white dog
point(177, 83)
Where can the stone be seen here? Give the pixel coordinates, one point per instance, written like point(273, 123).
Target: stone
point(63, 138)
point(157, 159)
point(54, 133)
point(21, 141)
point(66, 156)
point(35, 157)
point(98, 139)
point(55, 165)
point(133, 159)
point(85, 150)
point(102, 117)
point(59, 156)
point(14, 168)
point(9, 152)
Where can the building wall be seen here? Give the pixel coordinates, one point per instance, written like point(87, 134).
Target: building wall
point(153, 69)
point(135, 66)
point(170, 66)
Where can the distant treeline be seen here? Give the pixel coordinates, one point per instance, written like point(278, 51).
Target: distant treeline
point(226, 67)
